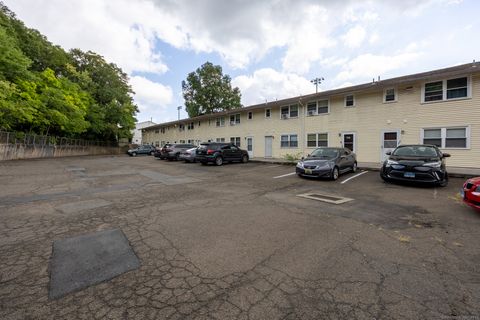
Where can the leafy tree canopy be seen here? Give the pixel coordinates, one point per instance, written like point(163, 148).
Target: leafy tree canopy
point(207, 90)
point(46, 90)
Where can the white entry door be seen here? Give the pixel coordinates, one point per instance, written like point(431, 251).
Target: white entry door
point(250, 146)
point(268, 146)
point(349, 141)
point(390, 140)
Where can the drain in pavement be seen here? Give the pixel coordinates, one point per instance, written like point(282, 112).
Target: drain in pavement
point(325, 198)
point(82, 261)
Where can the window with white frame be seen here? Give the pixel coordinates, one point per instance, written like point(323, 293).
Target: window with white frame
point(317, 107)
point(162, 130)
point(181, 127)
point(190, 126)
point(288, 141)
point(289, 111)
point(220, 139)
point(268, 113)
point(235, 141)
point(157, 143)
point(162, 143)
point(250, 115)
point(449, 89)
point(389, 95)
point(220, 122)
point(190, 141)
point(315, 140)
point(182, 141)
point(350, 100)
point(235, 119)
point(156, 131)
point(452, 137)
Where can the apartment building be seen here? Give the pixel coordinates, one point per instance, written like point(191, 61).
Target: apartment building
point(440, 107)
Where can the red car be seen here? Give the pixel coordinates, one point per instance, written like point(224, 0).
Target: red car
point(471, 192)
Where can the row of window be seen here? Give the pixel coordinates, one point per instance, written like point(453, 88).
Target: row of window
point(442, 90)
point(451, 137)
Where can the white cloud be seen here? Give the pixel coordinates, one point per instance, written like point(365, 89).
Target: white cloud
point(354, 36)
point(269, 85)
point(369, 66)
point(122, 31)
point(150, 96)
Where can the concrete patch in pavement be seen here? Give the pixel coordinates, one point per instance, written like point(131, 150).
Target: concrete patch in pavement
point(82, 261)
point(83, 205)
point(167, 179)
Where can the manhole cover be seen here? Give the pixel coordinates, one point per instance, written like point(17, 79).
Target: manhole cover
point(325, 198)
point(80, 262)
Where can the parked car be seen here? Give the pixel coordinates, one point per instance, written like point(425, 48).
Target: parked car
point(143, 149)
point(471, 192)
point(172, 151)
point(158, 152)
point(189, 155)
point(219, 153)
point(419, 163)
point(327, 162)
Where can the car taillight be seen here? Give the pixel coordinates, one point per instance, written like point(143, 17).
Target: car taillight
point(210, 151)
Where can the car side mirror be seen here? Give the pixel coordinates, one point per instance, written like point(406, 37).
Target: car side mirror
point(389, 153)
point(446, 155)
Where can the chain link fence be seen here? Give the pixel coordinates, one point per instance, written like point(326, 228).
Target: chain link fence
point(41, 140)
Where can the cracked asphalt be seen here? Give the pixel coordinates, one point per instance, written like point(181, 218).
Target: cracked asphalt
point(231, 242)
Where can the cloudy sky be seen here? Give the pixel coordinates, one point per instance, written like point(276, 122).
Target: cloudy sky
point(271, 49)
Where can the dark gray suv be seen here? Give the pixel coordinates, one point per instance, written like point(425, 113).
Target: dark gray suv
point(219, 153)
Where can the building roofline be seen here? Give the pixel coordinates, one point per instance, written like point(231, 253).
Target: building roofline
point(467, 68)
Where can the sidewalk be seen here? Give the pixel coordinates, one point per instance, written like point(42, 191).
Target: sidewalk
point(452, 171)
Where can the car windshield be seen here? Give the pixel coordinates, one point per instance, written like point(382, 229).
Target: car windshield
point(415, 151)
point(326, 153)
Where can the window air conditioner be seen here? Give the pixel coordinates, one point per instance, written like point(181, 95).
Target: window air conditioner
point(284, 116)
point(311, 113)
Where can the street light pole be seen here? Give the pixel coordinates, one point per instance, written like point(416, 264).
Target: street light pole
point(317, 82)
point(179, 108)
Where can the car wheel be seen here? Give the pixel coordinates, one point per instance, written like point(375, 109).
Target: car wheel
point(204, 163)
point(354, 167)
point(245, 159)
point(335, 173)
point(134, 154)
point(218, 161)
point(177, 157)
point(383, 177)
point(444, 182)
point(152, 153)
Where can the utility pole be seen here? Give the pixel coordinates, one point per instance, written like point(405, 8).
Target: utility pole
point(179, 108)
point(317, 82)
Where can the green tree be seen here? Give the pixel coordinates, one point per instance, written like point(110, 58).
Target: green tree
point(114, 111)
point(56, 105)
point(207, 90)
point(13, 63)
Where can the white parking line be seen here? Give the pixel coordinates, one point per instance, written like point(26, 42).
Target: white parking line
point(285, 175)
point(357, 175)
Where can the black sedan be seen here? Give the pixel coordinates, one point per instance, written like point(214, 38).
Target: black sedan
point(418, 163)
point(327, 162)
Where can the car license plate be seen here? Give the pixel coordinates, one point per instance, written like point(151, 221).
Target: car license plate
point(409, 174)
point(308, 171)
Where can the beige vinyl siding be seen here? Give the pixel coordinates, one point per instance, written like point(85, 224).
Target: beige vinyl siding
point(367, 119)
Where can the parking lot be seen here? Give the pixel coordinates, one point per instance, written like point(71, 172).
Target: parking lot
point(237, 242)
